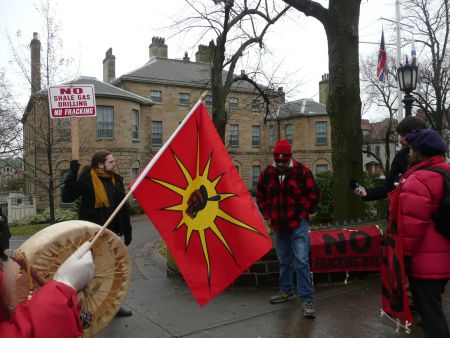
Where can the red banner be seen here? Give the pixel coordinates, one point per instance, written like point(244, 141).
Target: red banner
point(196, 199)
point(393, 278)
point(346, 249)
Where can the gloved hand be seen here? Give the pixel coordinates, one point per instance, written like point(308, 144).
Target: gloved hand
point(77, 270)
point(74, 167)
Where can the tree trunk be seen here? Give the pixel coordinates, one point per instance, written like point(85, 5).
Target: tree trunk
point(344, 107)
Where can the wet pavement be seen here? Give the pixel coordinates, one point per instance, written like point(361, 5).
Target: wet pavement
point(164, 307)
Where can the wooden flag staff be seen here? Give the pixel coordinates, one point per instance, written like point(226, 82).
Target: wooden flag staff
point(75, 138)
point(148, 167)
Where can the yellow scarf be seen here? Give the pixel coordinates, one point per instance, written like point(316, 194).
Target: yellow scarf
point(101, 199)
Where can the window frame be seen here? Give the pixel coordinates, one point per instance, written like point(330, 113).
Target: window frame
point(321, 133)
point(184, 99)
point(234, 135)
point(232, 104)
point(256, 139)
point(135, 124)
point(152, 97)
point(160, 132)
point(100, 112)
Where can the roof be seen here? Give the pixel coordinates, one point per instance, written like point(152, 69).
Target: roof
point(178, 72)
point(376, 132)
point(15, 163)
point(303, 107)
point(101, 89)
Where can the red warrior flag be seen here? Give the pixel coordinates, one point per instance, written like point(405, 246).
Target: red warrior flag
point(194, 196)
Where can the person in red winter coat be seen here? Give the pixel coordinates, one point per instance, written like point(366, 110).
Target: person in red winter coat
point(52, 311)
point(427, 253)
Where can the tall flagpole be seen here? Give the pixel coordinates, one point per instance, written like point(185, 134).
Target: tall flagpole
point(399, 55)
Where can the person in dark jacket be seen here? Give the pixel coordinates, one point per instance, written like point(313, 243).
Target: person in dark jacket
point(101, 191)
point(427, 253)
point(5, 235)
point(286, 195)
point(399, 163)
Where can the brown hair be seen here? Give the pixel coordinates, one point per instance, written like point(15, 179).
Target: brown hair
point(99, 157)
point(408, 124)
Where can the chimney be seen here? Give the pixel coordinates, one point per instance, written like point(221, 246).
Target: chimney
point(202, 55)
point(323, 89)
point(109, 67)
point(158, 48)
point(35, 47)
point(186, 57)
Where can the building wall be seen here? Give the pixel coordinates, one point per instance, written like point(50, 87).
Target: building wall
point(128, 152)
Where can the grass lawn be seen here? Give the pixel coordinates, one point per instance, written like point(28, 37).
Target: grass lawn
point(26, 230)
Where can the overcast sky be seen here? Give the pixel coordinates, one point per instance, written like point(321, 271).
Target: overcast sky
point(90, 27)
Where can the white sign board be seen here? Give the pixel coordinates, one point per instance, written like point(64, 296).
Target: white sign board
point(73, 100)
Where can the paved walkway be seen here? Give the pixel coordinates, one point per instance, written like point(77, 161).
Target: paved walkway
point(164, 307)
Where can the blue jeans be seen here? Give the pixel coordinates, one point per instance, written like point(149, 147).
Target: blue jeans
point(293, 250)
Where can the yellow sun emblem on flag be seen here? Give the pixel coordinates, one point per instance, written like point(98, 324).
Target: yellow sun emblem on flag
point(200, 206)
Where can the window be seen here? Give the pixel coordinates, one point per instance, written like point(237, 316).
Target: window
point(321, 133)
point(256, 136)
point(256, 170)
point(233, 103)
point(320, 168)
point(184, 98)
point(377, 151)
point(135, 124)
point(105, 121)
point(234, 135)
point(64, 129)
point(208, 100)
point(288, 133)
point(134, 173)
point(255, 105)
point(156, 96)
point(271, 135)
point(368, 151)
point(156, 133)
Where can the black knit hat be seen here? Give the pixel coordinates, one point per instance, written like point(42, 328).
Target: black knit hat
point(427, 142)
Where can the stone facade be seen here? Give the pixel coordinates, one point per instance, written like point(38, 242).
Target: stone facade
point(163, 91)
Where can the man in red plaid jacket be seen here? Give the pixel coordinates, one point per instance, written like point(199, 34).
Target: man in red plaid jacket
point(287, 194)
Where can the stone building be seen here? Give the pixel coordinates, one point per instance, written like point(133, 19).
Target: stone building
point(138, 111)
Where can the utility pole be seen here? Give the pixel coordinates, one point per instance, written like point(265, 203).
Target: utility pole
point(399, 52)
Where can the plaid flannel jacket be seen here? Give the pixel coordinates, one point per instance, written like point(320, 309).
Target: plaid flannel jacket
point(286, 202)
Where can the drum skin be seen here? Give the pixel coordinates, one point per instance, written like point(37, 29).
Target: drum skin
point(48, 248)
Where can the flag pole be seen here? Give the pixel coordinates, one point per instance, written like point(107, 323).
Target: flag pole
point(149, 166)
point(399, 92)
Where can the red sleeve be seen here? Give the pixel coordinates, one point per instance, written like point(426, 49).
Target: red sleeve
point(52, 312)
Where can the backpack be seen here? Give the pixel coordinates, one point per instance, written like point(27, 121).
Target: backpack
point(441, 217)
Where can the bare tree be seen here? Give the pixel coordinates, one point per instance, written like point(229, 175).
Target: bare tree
point(10, 128)
point(341, 23)
point(382, 96)
point(237, 26)
point(431, 22)
point(44, 135)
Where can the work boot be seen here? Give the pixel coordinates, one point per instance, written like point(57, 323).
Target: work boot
point(282, 297)
point(308, 310)
point(123, 312)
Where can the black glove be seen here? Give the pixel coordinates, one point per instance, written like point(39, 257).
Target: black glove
point(74, 167)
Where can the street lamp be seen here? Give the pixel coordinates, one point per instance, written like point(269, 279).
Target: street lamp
point(407, 79)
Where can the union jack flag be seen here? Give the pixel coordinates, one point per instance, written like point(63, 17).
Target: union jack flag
point(382, 61)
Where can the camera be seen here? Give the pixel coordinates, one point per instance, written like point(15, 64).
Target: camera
point(353, 184)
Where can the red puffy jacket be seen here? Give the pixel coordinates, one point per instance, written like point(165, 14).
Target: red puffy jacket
point(52, 312)
point(420, 194)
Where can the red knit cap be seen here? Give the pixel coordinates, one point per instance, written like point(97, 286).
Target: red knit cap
point(282, 150)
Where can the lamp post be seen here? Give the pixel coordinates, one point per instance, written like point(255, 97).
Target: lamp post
point(407, 79)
